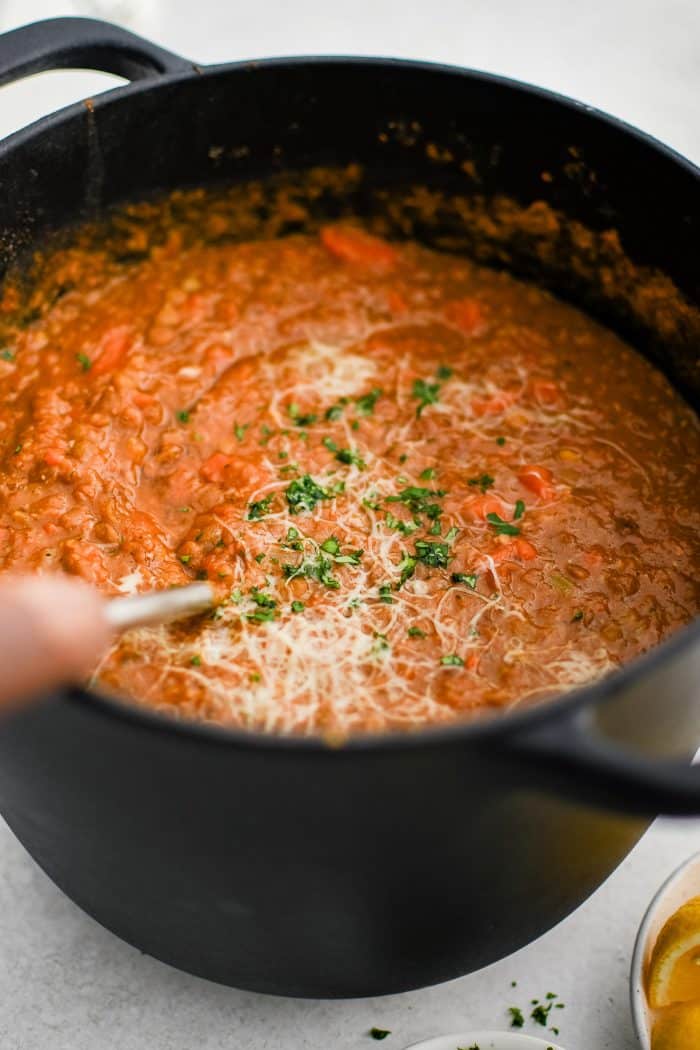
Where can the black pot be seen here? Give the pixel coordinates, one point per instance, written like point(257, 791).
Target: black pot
point(279, 864)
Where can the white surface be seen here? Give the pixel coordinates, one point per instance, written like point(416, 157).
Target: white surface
point(66, 984)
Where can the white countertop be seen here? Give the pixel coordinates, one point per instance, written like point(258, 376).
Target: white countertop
point(67, 984)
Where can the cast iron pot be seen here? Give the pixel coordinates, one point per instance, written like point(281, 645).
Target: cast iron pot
point(279, 864)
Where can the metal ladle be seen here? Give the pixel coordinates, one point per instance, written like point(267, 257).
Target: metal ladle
point(152, 607)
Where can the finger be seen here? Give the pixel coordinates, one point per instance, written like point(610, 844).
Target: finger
point(52, 631)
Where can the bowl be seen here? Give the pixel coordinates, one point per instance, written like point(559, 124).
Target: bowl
point(485, 1041)
point(683, 884)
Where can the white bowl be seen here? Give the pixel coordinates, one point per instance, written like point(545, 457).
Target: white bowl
point(680, 887)
point(485, 1041)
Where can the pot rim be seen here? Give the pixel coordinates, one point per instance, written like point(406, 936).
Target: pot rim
point(502, 725)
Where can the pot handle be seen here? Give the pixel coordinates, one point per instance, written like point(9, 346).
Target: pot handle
point(574, 759)
point(83, 43)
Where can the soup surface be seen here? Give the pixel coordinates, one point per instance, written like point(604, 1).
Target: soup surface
point(423, 490)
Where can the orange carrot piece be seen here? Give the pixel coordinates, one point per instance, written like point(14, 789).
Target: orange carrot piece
point(213, 468)
point(396, 303)
point(115, 345)
point(53, 457)
point(479, 506)
point(353, 245)
point(465, 314)
point(537, 479)
point(546, 392)
point(493, 406)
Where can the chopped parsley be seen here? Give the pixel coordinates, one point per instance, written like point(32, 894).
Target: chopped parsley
point(379, 1033)
point(266, 607)
point(7, 355)
point(196, 660)
point(300, 419)
point(334, 413)
point(406, 527)
point(418, 500)
point(239, 430)
point(578, 616)
point(379, 645)
point(519, 509)
point(259, 508)
point(385, 594)
point(260, 557)
point(365, 404)
point(443, 372)
point(304, 493)
point(484, 481)
point(502, 528)
point(451, 660)
point(452, 534)
point(185, 559)
point(415, 632)
point(407, 567)
point(297, 607)
point(182, 416)
point(426, 394)
point(320, 566)
point(347, 456)
point(463, 577)
point(500, 441)
point(517, 1019)
point(84, 361)
point(436, 555)
point(428, 474)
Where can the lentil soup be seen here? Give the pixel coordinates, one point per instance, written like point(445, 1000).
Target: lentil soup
point(423, 490)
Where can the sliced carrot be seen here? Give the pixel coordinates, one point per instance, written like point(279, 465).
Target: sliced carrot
point(537, 479)
point(396, 303)
point(478, 507)
point(465, 314)
point(353, 245)
point(493, 406)
point(515, 550)
point(213, 468)
point(54, 457)
point(472, 662)
point(114, 347)
point(547, 393)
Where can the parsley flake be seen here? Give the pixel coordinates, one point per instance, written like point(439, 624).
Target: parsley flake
point(502, 528)
point(426, 394)
point(365, 404)
point(451, 660)
point(463, 577)
point(304, 493)
point(84, 361)
point(517, 1019)
point(484, 481)
point(436, 555)
point(259, 508)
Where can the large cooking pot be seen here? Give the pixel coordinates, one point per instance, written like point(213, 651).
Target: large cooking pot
point(283, 865)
